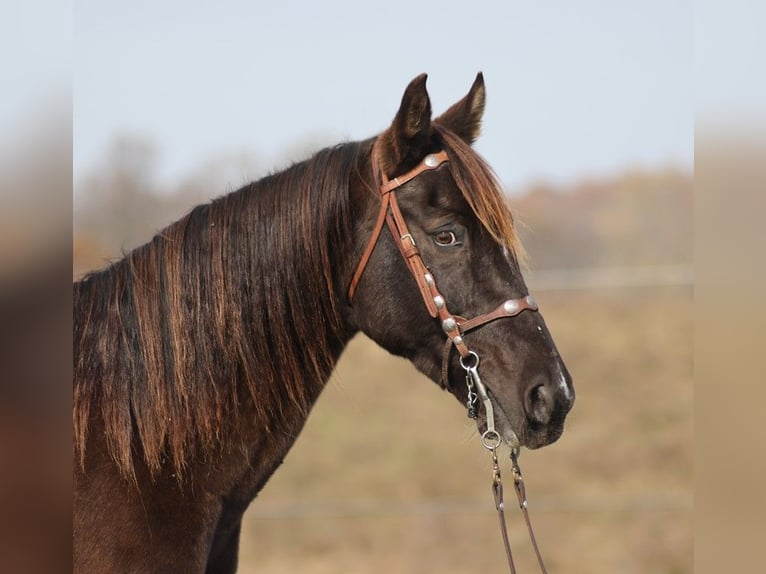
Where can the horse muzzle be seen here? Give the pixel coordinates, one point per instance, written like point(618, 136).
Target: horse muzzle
point(546, 405)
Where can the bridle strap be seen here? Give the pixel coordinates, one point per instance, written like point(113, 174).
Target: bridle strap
point(411, 254)
point(398, 226)
point(518, 486)
point(370, 247)
point(521, 494)
point(432, 161)
point(509, 308)
point(392, 215)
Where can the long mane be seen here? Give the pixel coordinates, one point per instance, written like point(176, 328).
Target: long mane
point(236, 302)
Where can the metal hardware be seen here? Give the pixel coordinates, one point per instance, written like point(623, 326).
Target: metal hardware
point(472, 400)
point(491, 439)
point(474, 357)
point(511, 306)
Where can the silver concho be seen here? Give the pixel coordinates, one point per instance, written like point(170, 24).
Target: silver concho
point(431, 160)
point(429, 279)
point(532, 302)
point(511, 306)
point(449, 324)
point(439, 301)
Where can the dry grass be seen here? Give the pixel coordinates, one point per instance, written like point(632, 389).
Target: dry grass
point(388, 475)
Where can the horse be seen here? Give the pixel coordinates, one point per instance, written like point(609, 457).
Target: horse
point(198, 356)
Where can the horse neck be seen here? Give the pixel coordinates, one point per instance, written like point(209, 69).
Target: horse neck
point(275, 249)
point(223, 329)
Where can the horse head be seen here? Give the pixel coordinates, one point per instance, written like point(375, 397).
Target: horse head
point(436, 276)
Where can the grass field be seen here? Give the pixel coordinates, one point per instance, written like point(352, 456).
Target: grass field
point(389, 475)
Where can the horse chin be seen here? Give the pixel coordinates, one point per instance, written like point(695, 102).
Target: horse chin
point(540, 437)
point(511, 434)
point(521, 432)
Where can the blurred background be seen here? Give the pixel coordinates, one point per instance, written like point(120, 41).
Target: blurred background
point(581, 95)
point(589, 125)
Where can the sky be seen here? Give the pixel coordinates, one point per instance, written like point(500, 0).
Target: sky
point(574, 89)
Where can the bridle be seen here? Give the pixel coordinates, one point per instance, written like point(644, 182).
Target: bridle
point(454, 326)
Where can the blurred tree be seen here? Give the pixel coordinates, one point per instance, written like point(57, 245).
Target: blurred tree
point(118, 205)
point(122, 205)
point(637, 218)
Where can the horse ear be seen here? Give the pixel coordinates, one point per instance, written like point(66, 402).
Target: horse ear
point(464, 117)
point(404, 142)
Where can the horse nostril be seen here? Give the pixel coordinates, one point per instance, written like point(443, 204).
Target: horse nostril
point(539, 404)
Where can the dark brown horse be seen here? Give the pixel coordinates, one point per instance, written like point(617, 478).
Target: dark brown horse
point(198, 356)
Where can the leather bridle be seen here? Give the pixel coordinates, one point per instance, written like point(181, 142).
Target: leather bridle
point(454, 327)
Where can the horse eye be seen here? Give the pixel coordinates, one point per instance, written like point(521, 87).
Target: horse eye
point(445, 238)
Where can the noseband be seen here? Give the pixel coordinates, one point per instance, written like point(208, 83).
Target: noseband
point(454, 327)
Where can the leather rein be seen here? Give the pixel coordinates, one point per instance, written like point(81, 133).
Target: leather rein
point(454, 327)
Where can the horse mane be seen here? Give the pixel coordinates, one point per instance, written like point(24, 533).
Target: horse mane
point(234, 302)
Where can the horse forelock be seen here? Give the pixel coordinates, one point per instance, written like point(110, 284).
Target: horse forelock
point(482, 191)
point(235, 302)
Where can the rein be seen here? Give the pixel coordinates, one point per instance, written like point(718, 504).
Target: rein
point(454, 328)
